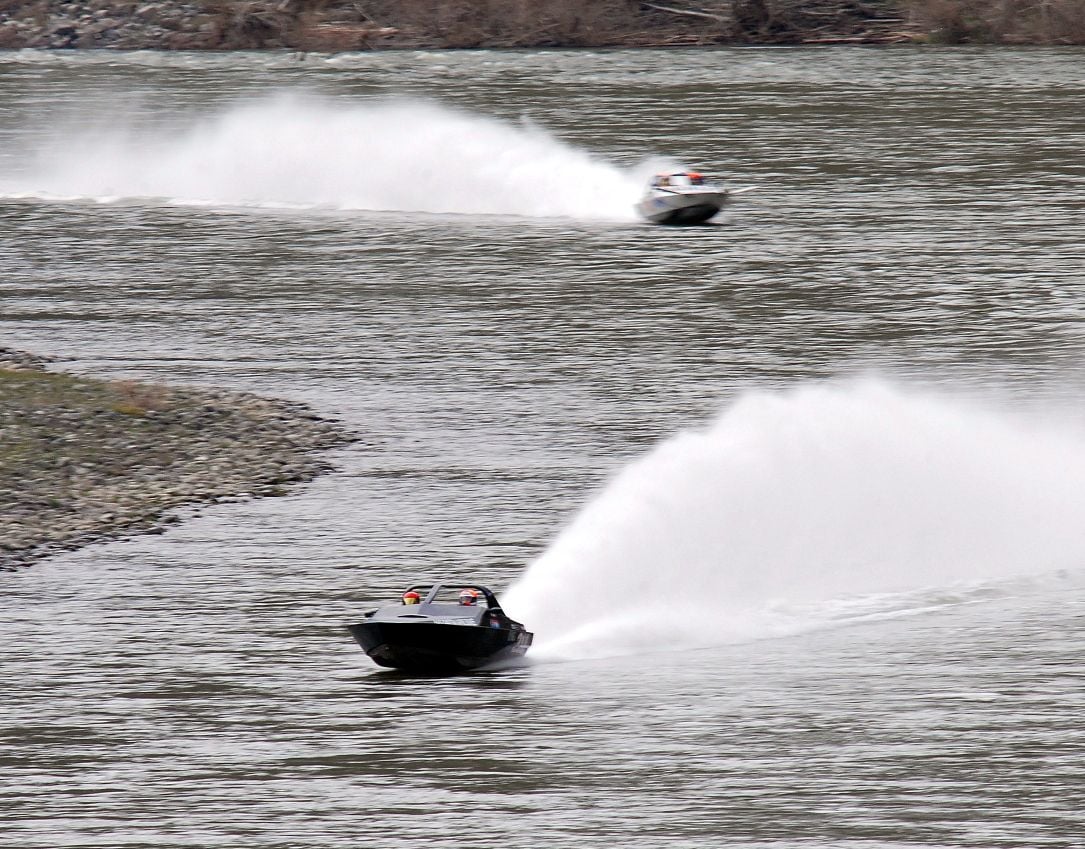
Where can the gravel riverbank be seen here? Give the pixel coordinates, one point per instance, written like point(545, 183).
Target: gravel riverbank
point(84, 460)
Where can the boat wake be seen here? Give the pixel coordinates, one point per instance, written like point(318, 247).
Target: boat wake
point(827, 505)
point(304, 151)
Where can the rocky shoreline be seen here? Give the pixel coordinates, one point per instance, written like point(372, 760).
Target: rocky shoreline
point(85, 460)
point(332, 26)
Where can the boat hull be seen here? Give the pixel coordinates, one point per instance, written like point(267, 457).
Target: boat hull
point(434, 647)
point(661, 207)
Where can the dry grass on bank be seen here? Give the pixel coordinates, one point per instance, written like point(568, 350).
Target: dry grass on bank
point(329, 25)
point(334, 25)
point(1002, 21)
point(513, 23)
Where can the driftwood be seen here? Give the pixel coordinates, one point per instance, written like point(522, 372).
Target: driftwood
point(691, 12)
point(867, 38)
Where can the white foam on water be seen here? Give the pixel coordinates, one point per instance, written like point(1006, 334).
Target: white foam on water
point(827, 504)
point(296, 150)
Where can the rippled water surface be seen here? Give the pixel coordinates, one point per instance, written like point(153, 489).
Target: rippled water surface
point(792, 501)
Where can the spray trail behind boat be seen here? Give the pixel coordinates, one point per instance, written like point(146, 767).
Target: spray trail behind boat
point(295, 150)
point(828, 503)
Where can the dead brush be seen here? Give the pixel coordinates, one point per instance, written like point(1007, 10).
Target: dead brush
point(133, 398)
point(1002, 21)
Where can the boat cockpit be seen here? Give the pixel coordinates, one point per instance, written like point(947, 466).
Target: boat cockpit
point(678, 180)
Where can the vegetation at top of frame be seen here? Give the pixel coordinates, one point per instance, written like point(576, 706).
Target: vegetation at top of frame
point(349, 25)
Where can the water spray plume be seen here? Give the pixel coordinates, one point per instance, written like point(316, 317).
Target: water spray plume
point(798, 508)
point(306, 151)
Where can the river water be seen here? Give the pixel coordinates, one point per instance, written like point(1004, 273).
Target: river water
point(792, 502)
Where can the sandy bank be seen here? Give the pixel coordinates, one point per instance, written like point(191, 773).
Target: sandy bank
point(85, 460)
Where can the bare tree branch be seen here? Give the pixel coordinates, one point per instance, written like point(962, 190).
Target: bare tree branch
point(690, 12)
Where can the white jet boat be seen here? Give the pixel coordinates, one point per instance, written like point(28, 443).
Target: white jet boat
point(681, 197)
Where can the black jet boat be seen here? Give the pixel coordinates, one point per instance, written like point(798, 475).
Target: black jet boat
point(441, 628)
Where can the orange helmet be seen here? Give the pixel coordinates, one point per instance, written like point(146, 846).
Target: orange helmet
point(411, 597)
point(468, 596)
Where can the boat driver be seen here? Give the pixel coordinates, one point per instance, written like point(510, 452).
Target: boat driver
point(469, 597)
point(411, 597)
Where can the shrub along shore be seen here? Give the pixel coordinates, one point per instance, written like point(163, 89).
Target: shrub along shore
point(85, 460)
point(328, 26)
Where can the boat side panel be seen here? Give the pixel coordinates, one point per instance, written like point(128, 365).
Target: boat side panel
point(681, 207)
point(435, 646)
